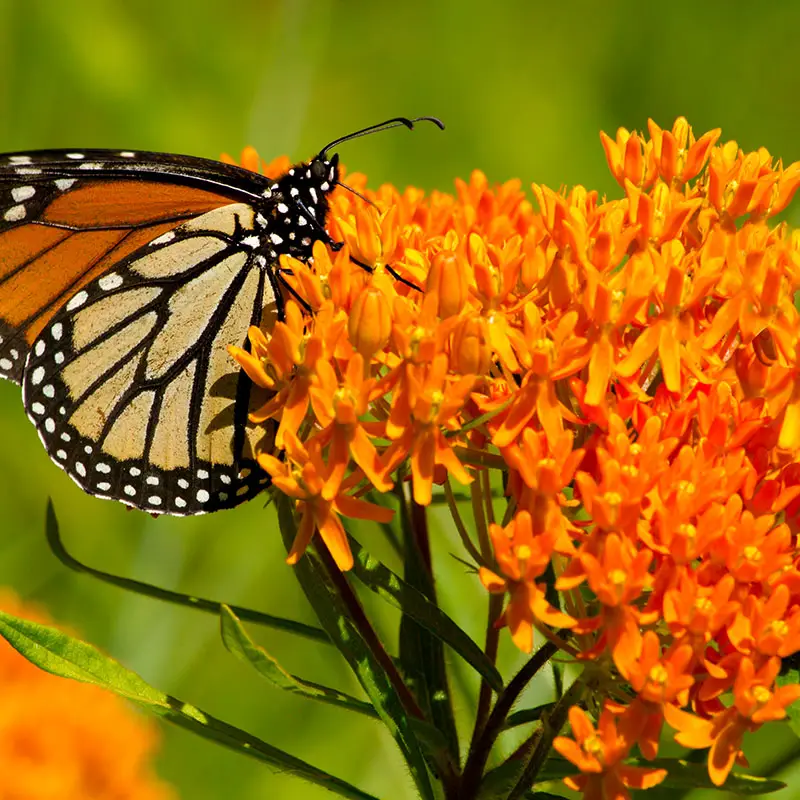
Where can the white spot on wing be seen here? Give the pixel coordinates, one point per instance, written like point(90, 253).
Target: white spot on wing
point(164, 238)
point(65, 183)
point(110, 281)
point(20, 193)
point(77, 301)
point(57, 330)
point(14, 214)
point(76, 156)
point(37, 376)
point(203, 496)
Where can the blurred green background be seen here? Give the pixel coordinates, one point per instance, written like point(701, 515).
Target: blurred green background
point(524, 88)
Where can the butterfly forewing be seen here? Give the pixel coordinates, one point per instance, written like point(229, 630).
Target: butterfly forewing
point(62, 224)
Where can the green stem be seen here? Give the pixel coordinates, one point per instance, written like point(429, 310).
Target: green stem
point(359, 619)
point(479, 752)
point(552, 726)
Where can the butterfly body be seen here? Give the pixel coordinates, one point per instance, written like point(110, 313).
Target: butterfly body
point(123, 278)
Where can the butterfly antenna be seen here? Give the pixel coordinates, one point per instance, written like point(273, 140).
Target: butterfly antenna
point(356, 193)
point(395, 122)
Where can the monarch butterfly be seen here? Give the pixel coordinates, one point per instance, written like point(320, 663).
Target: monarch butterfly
point(123, 277)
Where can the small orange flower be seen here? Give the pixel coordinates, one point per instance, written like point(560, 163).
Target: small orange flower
point(425, 399)
point(755, 703)
point(523, 557)
point(305, 477)
point(338, 407)
point(599, 756)
point(370, 321)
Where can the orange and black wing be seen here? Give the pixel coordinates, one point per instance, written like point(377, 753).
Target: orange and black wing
point(123, 278)
point(67, 217)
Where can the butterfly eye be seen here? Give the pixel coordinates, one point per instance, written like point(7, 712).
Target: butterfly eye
point(318, 169)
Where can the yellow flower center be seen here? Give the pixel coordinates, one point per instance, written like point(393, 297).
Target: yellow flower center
point(687, 531)
point(779, 627)
point(761, 695)
point(752, 554)
point(658, 675)
point(703, 605)
point(617, 577)
point(594, 747)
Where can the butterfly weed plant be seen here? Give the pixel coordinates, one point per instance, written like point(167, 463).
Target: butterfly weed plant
point(605, 395)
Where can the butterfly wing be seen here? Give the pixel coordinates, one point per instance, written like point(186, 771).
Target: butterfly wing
point(120, 288)
point(67, 217)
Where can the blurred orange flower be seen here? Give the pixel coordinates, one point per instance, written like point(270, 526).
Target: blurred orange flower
point(62, 739)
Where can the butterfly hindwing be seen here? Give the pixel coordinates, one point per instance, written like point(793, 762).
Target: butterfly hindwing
point(130, 384)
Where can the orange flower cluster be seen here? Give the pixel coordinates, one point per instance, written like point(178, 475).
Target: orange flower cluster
point(630, 366)
point(61, 739)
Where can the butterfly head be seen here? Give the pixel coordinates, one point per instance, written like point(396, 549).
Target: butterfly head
point(296, 205)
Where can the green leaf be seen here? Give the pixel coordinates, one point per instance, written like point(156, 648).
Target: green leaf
point(410, 601)
point(333, 615)
point(62, 655)
point(148, 590)
point(682, 775)
point(498, 782)
point(236, 639)
point(528, 715)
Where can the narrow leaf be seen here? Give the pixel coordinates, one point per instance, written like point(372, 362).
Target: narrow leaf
point(62, 655)
point(392, 588)
point(239, 643)
point(332, 614)
point(148, 590)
